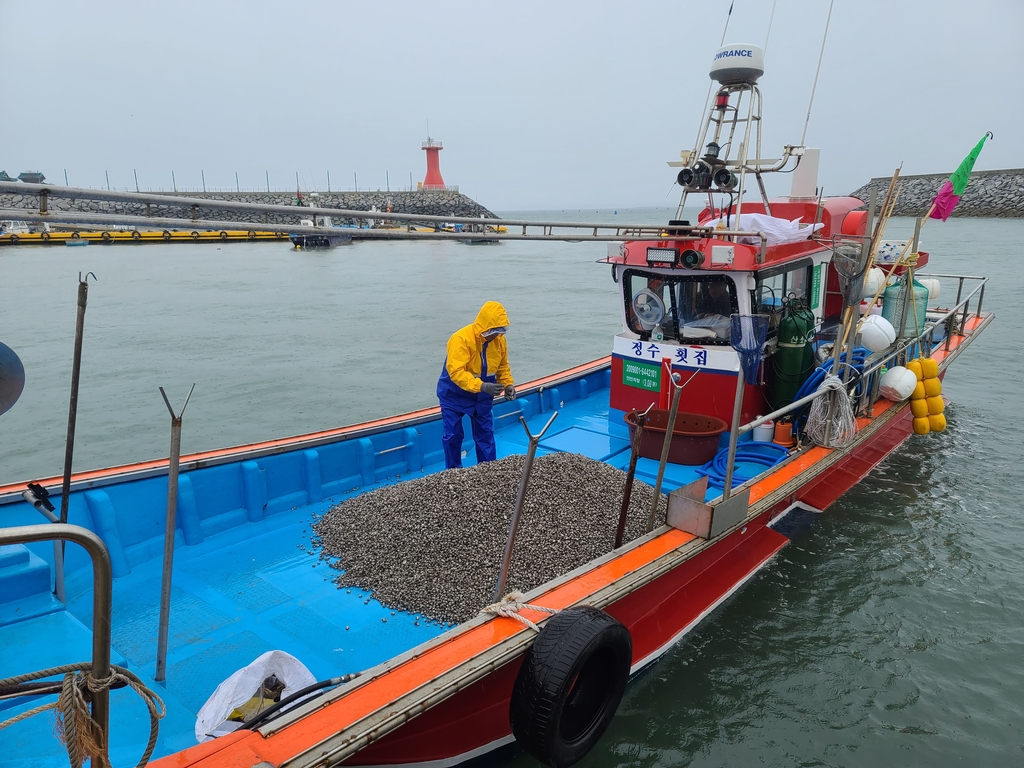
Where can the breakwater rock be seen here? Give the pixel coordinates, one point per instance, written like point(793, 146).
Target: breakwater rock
point(997, 194)
point(428, 202)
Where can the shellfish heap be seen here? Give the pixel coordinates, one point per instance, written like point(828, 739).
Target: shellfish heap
point(434, 545)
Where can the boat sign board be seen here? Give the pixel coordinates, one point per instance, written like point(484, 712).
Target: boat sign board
point(641, 375)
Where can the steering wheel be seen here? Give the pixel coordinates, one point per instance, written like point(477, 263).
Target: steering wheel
point(649, 308)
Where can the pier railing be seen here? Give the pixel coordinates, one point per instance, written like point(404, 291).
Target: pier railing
point(515, 229)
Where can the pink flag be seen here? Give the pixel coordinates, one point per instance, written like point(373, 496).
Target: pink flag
point(945, 202)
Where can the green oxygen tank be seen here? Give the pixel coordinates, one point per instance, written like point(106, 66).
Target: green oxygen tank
point(794, 359)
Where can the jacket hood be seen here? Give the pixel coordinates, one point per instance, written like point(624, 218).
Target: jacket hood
point(491, 315)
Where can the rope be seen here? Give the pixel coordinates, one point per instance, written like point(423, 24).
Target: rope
point(510, 606)
point(80, 733)
point(831, 416)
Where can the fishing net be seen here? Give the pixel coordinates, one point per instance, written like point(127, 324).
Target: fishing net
point(851, 263)
point(747, 334)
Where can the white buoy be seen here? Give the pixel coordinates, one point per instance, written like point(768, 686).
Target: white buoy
point(873, 282)
point(933, 286)
point(877, 333)
point(897, 384)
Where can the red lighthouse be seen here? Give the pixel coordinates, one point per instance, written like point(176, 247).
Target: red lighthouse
point(433, 178)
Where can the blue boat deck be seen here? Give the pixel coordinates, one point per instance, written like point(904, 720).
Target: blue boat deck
point(246, 578)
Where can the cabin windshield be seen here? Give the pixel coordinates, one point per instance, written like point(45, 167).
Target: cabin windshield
point(686, 308)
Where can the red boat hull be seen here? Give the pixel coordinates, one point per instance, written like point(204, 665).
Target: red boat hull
point(476, 719)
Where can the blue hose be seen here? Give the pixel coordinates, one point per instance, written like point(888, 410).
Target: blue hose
point(756, 453)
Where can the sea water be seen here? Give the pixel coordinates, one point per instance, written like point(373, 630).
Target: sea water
point(891, 634)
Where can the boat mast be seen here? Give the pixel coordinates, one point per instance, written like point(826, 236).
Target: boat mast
point(724, 164)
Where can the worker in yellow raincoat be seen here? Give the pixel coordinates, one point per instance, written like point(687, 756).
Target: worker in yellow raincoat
point(475, 371)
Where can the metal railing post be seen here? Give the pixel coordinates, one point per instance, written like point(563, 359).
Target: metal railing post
point(517, 510)
point(102, 575)
point(734, 434)
point(172, 511)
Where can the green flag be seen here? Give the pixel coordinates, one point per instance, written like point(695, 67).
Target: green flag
point(962, 175)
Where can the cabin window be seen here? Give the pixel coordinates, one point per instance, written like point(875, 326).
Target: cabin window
point(693, 309)
point(779, 284)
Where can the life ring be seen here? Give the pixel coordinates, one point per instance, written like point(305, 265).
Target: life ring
point(195, 235)
point(251, 235)
point(223, 235)
point(14, 238)
point(76, 236)
point(570, 684)
point(106, 237)
point(136, 235)
point(45, 235)
point(166, 235)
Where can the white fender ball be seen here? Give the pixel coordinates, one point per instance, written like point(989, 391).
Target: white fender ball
point(897, 384)
point(877, 333)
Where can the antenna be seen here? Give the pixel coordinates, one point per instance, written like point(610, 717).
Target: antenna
point(814, 87)
point(770, 20)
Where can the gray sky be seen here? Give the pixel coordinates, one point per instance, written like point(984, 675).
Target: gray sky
point(540, 105)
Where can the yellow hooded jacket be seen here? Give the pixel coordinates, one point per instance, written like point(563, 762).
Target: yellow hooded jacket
point(465, 367)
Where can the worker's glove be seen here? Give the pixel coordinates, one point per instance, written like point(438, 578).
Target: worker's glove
point(510, 392)
point(490, 388)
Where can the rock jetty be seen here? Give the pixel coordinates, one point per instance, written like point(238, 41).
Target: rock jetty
point(996, 194)
point(429, 202)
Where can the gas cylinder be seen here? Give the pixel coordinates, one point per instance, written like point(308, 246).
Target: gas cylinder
point(794, 359)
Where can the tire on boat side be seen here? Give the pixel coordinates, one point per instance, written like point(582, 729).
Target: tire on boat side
point(166, 235)
point(570, 685)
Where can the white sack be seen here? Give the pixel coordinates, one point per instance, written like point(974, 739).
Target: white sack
point(778, 231)
point(243, 685)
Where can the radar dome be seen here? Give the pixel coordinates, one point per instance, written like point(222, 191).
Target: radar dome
point(735, 64)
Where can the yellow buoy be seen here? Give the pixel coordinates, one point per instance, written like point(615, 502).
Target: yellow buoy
point(932, 387)
point(919, 408)
point(919, 392)
point(936, 405)
point(922, 426)
point(936, 423)
point(929, 368)
point(915, 367)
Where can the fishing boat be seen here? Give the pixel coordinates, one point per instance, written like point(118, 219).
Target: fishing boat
point(728, 323)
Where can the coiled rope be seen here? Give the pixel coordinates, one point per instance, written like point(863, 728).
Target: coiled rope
point(82, 736)
point(830, 422)
point(511, 604)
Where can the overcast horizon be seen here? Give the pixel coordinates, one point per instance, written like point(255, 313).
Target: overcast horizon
point(539, 106)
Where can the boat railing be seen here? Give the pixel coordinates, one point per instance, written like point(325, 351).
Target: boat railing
point(864, 388)
point(101, 601)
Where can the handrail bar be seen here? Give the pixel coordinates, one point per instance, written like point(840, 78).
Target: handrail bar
point(901, 347)
point(101, 599)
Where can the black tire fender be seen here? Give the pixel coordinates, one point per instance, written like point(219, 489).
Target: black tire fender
point(136, 235)
point(195, 235)
point(223, 235)
point(14, 239)
point(570, 685)
point(251, 235)
point(45, 235)
point(106, 237)
point(76, 236)
point(166, 235)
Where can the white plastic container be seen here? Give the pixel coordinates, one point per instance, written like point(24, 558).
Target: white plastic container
point(764, 433)
point(877, 333)
point(897, 384)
